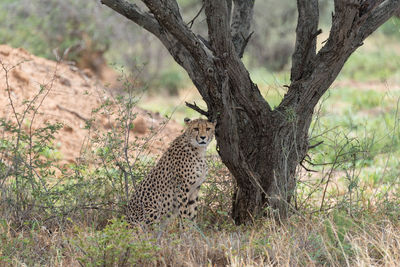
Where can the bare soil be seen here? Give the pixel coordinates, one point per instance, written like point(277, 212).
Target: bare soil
point(69, 96)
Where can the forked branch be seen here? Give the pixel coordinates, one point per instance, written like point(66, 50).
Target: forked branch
point(378, 15)
point(241, 21)
point(168, 16)
point(218, 27)
point(306, 33)
point(352, 22)
point(195, 107)
point(190, 23)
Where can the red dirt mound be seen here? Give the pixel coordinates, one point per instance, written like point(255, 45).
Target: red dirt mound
point(68, 96)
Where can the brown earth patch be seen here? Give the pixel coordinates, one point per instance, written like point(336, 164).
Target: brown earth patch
point(370, 85)
point(68, 96)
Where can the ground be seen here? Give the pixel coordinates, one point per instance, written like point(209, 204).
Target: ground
point(73, 94)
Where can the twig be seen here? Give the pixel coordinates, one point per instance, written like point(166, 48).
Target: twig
point(309, 161)
point(246, 40)
point(329, 178)
point(8, 89)
point(190, 23)
point(315, 145)
point(307, 169)
point(35, 112)
point(197, 108)
point(305, 61)
point(73, 112)
point(315, 34)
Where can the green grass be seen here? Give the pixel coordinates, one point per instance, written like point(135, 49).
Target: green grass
point(378, 59)
point(377, 65)
point(364, 122)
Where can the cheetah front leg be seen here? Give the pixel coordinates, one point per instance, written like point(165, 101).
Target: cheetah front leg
point(193, 194)
point(187, 196)
point(192, 205)
point(181, 204)
point(188, 204)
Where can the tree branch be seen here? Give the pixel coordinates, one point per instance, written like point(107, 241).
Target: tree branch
point(379, 15)
point(190, 23)
point(178, 51)
point(344, 22)
point(227, 54)
point(218, 27)
point(168, 16)
point(197, 108)
point(352, 23)
point(367, 6)
point(133, 12)
point(306, 33)
point(241, 22)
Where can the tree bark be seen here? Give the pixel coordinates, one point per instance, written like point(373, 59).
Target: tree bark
point(261, 147)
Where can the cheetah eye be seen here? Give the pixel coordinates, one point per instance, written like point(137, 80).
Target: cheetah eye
point(196, 129)
point(207, 129)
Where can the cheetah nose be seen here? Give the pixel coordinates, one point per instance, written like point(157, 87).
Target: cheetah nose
point(202, 137)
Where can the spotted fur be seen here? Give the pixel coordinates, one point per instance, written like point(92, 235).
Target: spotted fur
point(171, 188)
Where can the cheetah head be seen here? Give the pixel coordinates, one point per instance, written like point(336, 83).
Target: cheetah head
point(199, 131)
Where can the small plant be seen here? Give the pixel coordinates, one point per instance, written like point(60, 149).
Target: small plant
point(36, 186)
point(318, 252)
point(216, 196)
point(28, 159)
point(115, 245)
point(27, 245)
point(339, 242)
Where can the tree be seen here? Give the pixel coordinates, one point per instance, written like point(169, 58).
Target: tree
point(260, 146)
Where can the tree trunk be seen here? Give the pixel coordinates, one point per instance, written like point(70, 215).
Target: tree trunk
point(261, 147)
point(269, 164)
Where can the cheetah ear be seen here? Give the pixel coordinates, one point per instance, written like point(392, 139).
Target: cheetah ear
point(186, 120)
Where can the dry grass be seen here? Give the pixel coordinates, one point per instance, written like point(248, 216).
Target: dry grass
point(364, 237)
point(315, 241)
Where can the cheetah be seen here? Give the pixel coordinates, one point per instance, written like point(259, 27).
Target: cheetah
point(171, 188)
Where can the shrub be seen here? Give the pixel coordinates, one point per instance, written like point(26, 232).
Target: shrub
point(34, 185)
point(115, 245)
